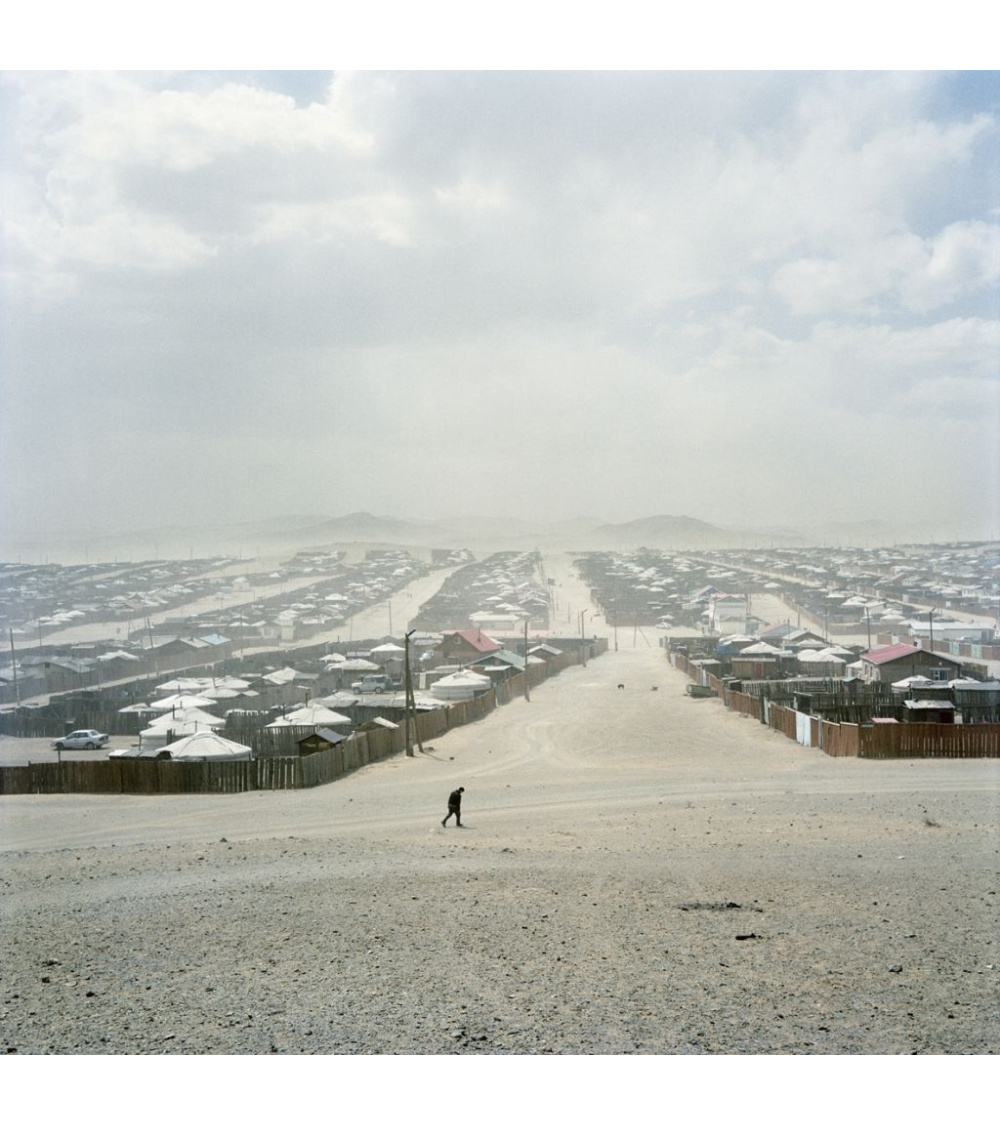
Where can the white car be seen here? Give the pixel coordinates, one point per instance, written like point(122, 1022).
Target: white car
point(81, 740)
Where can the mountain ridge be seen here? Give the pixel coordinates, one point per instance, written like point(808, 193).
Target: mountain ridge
point(292, 532)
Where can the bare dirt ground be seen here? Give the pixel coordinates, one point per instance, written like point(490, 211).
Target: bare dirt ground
point(638, 873)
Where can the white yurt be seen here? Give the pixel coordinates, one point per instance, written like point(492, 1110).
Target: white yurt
point(813, 662)
point(188, 684)
point(182, 723)
point(202, 746)
point(460, 686)
point(181, 702)
point(357, 665)
point(911, 682)
point(312, 715)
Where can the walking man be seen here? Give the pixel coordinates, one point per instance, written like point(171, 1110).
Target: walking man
point(454, 807)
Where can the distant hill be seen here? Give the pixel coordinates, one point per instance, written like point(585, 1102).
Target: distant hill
point(359, 531)
point(357, 527)
point(665, 533)
point(479, 533)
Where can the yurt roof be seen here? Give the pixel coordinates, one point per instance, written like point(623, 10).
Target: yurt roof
point(207, 744)
point(317, 715)
point(186, 716)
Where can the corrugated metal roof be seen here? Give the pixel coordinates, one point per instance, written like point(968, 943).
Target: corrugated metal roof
point(892, 652)
point(898, 652)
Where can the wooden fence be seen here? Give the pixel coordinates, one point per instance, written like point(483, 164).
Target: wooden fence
point(930, 740)
point(269, 768)
point(782, 719)
point(744, 704)
point(842, 740)
point(53, 721)
point(149, 776)
point(144, 776)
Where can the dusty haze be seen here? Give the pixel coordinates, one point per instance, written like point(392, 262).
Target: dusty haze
point(754, 298)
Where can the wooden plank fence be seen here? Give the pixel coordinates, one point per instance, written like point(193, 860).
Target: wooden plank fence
point(269, 768)
point(782, 719)
point(930, 740)
point(841, 740)
point(744, 704)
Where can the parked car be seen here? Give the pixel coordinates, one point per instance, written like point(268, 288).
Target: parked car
point(377, 684)
point(81, 740)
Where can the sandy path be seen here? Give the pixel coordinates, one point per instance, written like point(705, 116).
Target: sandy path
point(640, 873)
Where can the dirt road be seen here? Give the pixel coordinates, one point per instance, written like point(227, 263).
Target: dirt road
point(639, 872)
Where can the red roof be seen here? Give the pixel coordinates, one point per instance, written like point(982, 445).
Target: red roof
point(899, 652)
point(477, 639)
point(890, 653)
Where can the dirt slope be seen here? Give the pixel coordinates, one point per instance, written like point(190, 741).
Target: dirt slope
point(639, 873)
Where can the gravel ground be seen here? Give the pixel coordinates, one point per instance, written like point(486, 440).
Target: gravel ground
point(639, 873)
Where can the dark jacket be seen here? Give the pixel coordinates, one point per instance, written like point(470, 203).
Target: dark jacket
point(455, 800)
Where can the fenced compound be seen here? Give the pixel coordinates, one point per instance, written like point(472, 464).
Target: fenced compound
point(53, 721)
point(268, 769)
point(145, 776)
point(844, 739)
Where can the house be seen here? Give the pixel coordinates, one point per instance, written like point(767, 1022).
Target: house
point(928, 711)
point(60, 673)
point(895, 662)
point(322, 738)
point(704, 594)
point(503, 664)
point(776, 634)
point(181, 652)
point(727, 613)
point(804, 637)
point(978, 702)
point(463, 646)
point(755, 667)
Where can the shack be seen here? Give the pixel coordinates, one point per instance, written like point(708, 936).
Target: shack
point(928, 711)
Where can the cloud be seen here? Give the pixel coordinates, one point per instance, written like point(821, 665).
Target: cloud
point(962, 259)
point(637, 288)
point(912, 273)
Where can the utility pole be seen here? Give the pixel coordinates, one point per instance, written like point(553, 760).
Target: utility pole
point(930, 622)
point(527, 691)
point(406, 686)
point(152, 650)
point(583, 644)
point(868, 622)
point(13, 668)
point(410, 708)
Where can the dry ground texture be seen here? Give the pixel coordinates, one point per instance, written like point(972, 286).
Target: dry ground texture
point(639, 872)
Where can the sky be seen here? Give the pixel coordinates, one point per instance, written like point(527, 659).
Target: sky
point(755, 297)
